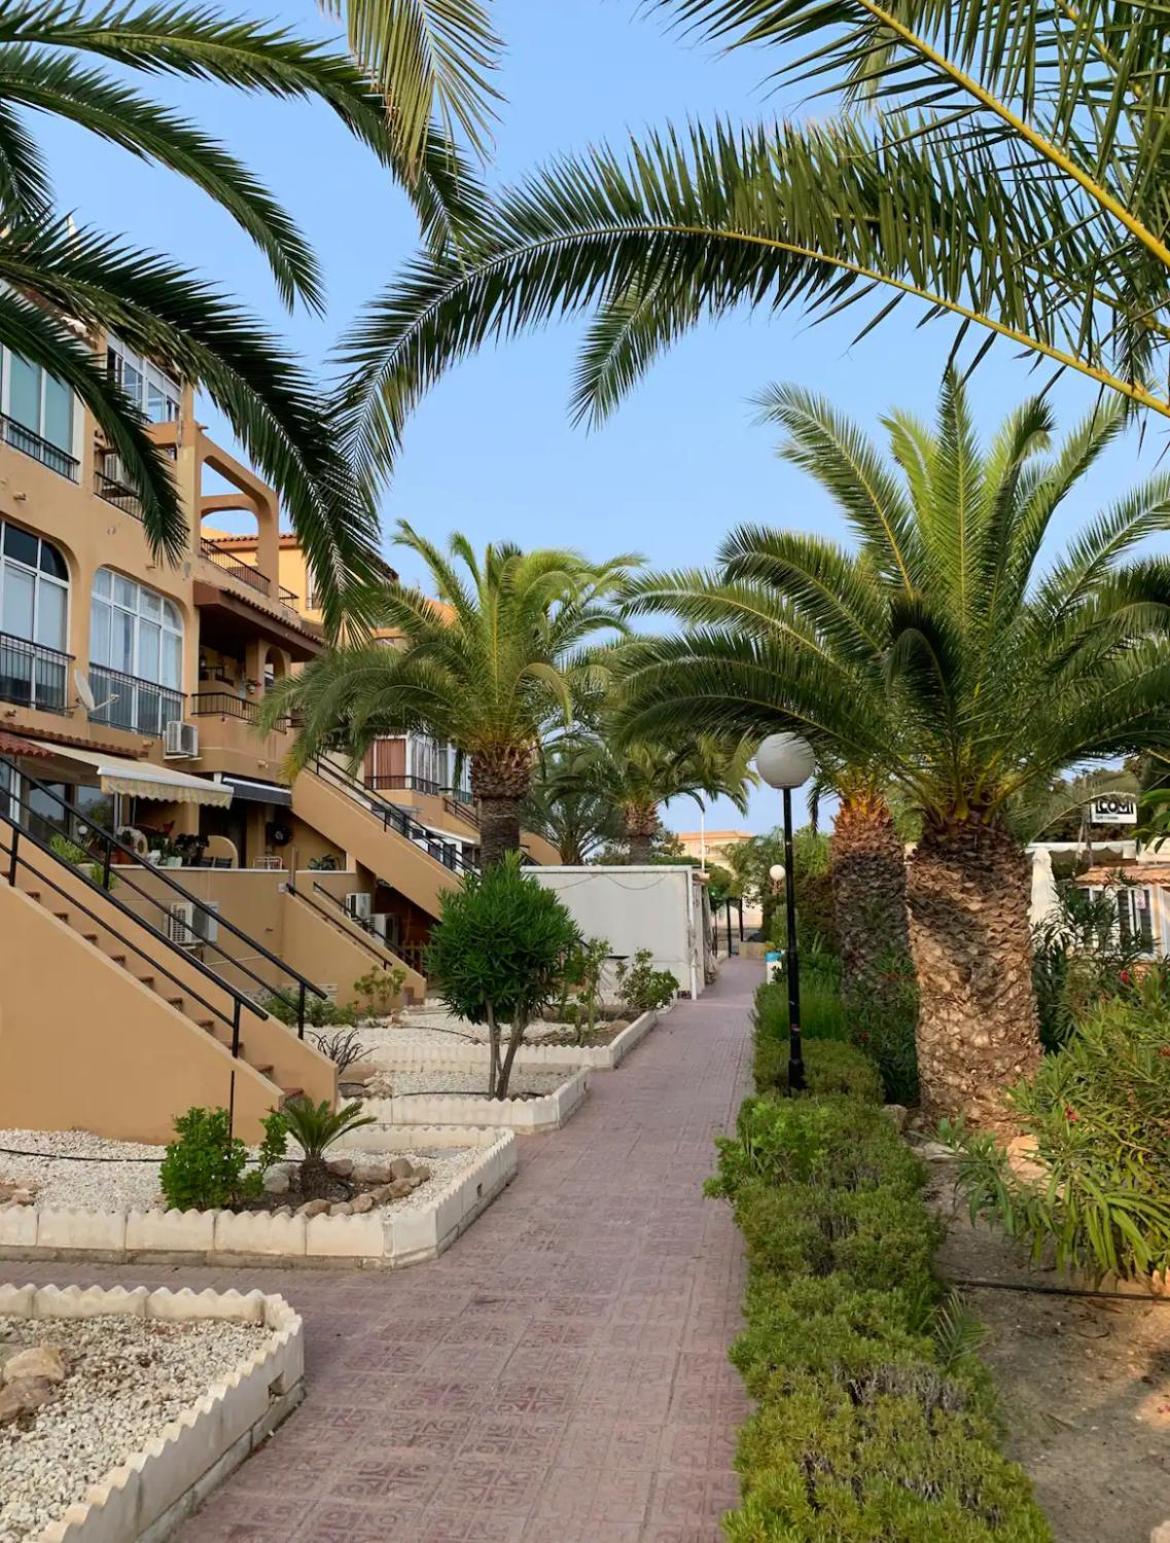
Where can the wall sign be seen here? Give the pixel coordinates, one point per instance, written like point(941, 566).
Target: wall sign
point(1113, 809)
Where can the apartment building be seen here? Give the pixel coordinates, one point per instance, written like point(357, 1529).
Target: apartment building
point(158, 874)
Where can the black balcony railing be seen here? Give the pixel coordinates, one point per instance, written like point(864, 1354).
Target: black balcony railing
point(223, 704)
point(223, 557)
point(42, 450)
point(33, 675)
point(108, 484)
point(124, 702)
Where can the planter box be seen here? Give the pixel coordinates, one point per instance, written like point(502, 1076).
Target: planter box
point(149, 1495)
point(526, 1116)
point(602, 1058)
point(380, 1239)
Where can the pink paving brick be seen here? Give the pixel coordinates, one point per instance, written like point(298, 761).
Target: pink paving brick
point(560, 1375)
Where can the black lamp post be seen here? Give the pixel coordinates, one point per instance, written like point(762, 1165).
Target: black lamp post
point(785, 761)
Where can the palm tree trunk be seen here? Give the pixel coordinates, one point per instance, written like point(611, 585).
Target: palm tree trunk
point(868, 873)
point(968, 888)
point(500, 779)
point(641, 822)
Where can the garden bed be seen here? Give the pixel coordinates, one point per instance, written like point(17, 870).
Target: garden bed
point(147, 1400)
point(105, 1204)
point(451, 1040)
point(528, 1114)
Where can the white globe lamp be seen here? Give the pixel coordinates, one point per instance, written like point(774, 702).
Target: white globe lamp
point(786, 761)
point(776, 873)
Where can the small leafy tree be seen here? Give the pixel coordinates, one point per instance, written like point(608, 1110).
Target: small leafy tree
point(497, 956)
point(315, 1127)
point(380, 990)
point(642, 987)
point(583, 971)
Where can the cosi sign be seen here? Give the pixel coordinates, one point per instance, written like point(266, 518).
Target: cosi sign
point(1113, 809)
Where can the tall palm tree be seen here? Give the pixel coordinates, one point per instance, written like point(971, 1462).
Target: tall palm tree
point(941, 658)
point(574, 817)
point(73, 62)
point(637, 778)
point(999, 165)
point(488, 669)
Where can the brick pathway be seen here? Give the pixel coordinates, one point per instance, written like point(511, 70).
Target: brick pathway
point(560, 1375)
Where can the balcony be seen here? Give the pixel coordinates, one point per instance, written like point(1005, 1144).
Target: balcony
point(42, 450)
point(224, 704)
point(108, 483)
point(223, 557)
point(139, 706)
point(33, 675)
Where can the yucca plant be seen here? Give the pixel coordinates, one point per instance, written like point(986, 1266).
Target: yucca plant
point(941, 658)
point(996, 164)
point(487, 666)
point(315, 1128)
point(76, 62)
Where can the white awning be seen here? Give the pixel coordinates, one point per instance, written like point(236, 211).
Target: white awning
point(145, 779)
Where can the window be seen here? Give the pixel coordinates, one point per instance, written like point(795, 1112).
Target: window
point(135, 631)
point(33, 400)
point(428, 760)
point(151, 390)
point(34, 606)
point(1135, 914)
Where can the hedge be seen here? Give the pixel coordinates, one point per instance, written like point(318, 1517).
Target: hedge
point(875, 1421)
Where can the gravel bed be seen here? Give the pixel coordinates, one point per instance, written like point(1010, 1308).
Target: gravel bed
point(442, 1079)
point(124, 1186)
point(386, 1044)
point(127, 1379)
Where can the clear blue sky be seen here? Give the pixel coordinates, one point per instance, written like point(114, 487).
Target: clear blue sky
point(491, 452)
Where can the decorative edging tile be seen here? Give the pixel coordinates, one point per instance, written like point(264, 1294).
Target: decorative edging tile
point(145, 1498)
point(526, 1116)
point(601, 1058)
point(375, 1240)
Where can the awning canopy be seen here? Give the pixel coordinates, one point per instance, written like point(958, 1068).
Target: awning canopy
point(144, 779)
point(252, 791)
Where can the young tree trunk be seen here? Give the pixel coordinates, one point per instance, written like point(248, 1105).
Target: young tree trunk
point(868, 874)
point(515, 1039)
point(493, 1052)
point(968, 890)
point(500, 778)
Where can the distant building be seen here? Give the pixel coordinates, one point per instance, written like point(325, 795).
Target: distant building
point(711, 846)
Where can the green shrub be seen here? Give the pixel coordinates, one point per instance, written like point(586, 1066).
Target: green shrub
point(320, 1012)
point(829, 1068)
point(641, 987)
point(822, 1014)
point(315, 1127)
point(80, 858)
point(883, 1032)
point(875, 1423)
point(497, 956)
point(206, 1168)
point(380, 990)
point(1099, 1110)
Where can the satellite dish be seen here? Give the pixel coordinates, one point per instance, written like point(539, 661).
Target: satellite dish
point(84, 693)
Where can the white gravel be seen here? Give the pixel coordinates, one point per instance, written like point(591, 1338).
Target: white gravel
point(128, 1378)
point(98, 1185)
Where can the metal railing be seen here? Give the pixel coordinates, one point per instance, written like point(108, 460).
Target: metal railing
point(225, 704)
point(42, 450)
point(32, 675)
point(457, 801)
point(223, 557)
point(378, 951)
point(113, 862)
point(125, 702)
point(116, 493)
point(392, 817)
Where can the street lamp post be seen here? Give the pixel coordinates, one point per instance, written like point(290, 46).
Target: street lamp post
point(785, 761)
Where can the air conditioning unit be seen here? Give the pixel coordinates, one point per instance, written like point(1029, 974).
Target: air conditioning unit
point(360, 904)
point(190, 925)
point(379, 923)
point(180, 740)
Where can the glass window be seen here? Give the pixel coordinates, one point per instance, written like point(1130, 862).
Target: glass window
point(151, 389)
point(102, 580)
point(172, 668)
point(50, 625)
point(99, 631)
point(135, 631)
point(24, 392)
point(57, 418)
point(149, 650)
point(125, 592)
point(53, 563)
point(19, 603)
point(149, 603)
point(34, 589)
point(38, 401)
point(20, 545)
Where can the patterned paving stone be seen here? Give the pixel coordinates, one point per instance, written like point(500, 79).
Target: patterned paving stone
point(561, 1374)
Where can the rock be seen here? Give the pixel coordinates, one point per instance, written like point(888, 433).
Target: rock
point(401, 1168)
point(362, 1204)
point(422, 1172)
point(373, 1172)
point(380, 1087)
point(340, 1167)
point(1021, 1153)
point(45, 1363)
point(342, 1208)
point(313, 1208)
point(897, 1114)
point(351, 1089)
point(414, 1181)
point(400, 1189)
point(22, 1397)
point(1161, 1534)
point(382, 1194)
point(276, 1180)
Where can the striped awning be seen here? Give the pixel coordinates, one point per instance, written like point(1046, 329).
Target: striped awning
point(145, 779)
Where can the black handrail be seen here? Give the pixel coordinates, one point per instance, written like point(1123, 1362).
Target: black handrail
point(16, 861)
point(109, 844)
point(392, 816)
point(378, 953)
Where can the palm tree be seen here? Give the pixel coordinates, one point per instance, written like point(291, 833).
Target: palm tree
point(487, 668)
point(575, 818)
point(868, 877)
point(635, 779)
point(1001, 166)
point(940, 659)
point(53, 276)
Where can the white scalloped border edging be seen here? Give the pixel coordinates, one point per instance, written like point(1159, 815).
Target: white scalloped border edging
point(376, 1240)
point(145, 1498)
point(525, 1116)
point(598, 1058)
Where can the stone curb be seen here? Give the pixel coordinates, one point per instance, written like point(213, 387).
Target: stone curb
point(147, 1496)
point(375, 1240)
point(526, 1116)
point(603, 1058)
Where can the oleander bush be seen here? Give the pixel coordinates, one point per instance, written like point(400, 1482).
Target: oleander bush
point(875, 1421)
